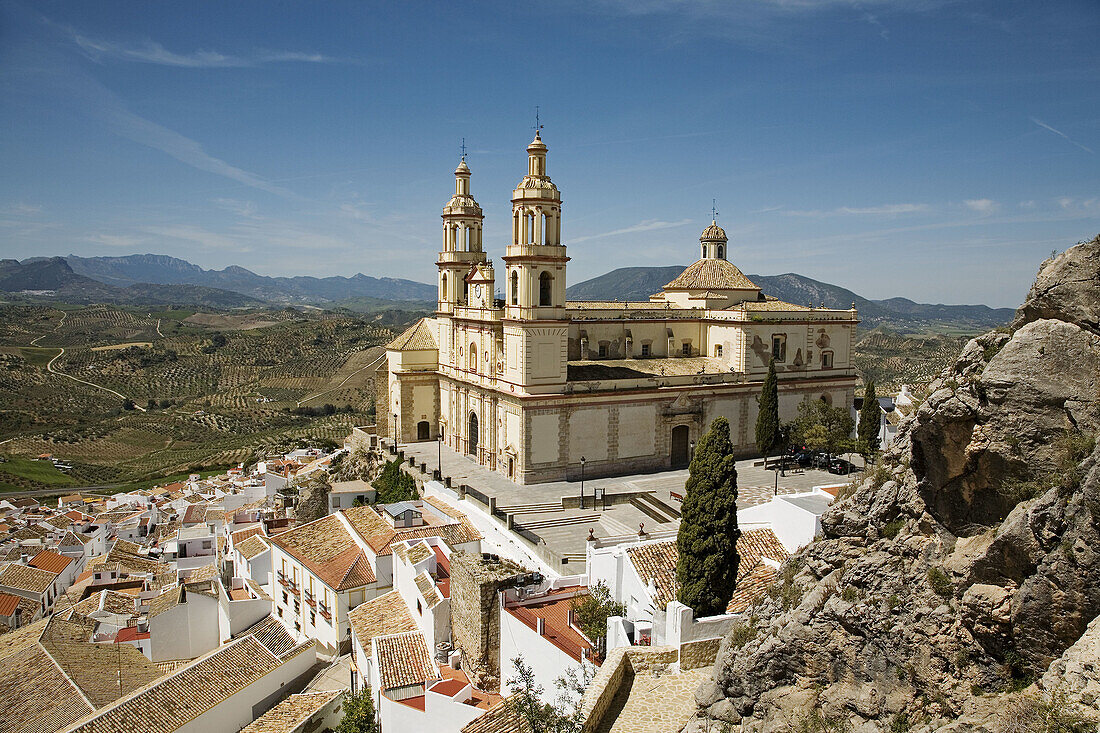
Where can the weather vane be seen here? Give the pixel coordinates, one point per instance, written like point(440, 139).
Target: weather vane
point(464, 148)
point(714, 210)
point(538, 125)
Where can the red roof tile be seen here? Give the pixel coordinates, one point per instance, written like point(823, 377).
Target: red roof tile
point(51, 561)
point(8, 604)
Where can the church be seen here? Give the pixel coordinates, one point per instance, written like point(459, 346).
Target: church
point(532, 384)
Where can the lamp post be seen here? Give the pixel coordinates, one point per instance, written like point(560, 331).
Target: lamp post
point(439, 456)
point(395, 432)
point(582, 482)
point(691, 451)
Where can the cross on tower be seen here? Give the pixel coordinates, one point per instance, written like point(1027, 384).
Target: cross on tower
point(464, 148)
point(714, 210)
point(538, 125)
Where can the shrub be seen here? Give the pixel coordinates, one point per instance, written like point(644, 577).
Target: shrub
point(891, 529)
point(850, 595)
point(940, 583)
point(818, 721)
point(893, 601)
point(741, 633)
point(900, 723)
point(1052, 713)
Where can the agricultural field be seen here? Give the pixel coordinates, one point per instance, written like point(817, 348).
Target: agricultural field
point(893, 359)
point(193, 389)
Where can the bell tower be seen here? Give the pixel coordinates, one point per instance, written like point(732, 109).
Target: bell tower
point(536, 327)
point(536, 257)
point(713, 242)
point(462, 244)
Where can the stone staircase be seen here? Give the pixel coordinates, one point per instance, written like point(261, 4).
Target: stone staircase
point(654, 508)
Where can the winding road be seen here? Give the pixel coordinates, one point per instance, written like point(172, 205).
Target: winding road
point(50, 368)
point(333, 389)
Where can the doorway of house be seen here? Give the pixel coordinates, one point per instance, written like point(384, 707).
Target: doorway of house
point(471, 444)
point(423, 430)
point(680, 456)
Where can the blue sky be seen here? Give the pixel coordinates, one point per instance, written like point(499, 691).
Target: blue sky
point(928, 149)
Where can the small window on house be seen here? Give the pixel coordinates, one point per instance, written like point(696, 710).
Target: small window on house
point(206, 544)
point(826, 360)
point(645, 349)
point(779, 347)
point(603, 351)
point(718, 350)
point(313, 618)
point(686, 349)
point(285, 598)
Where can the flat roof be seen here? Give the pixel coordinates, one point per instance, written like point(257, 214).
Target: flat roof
point(813, 503)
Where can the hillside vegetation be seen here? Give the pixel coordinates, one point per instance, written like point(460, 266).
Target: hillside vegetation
point(196, 389)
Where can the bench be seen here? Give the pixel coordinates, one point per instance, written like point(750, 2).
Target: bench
point(677, 497)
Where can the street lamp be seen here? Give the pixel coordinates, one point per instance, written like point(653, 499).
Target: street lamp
point(582, 482)
point(439, 456)
point(691, 452)
point(395, 432)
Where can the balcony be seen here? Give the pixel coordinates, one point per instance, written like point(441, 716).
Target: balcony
point(311, 600)
point(326, 612)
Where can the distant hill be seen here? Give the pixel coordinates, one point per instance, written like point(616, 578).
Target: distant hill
point(52, 278)
point(638, 283)
point(165, 270)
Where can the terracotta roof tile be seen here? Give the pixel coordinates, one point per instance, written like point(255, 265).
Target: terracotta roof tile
point(50, 561)
point(417, 337)
point(253, 546)
point(24, 577)
point(8, 604)
point(387, 614)
point(291, 712)
point(712, 275)
point(750, 587)
point(503, 717)
point(403, 660)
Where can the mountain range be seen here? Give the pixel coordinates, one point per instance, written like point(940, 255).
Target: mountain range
point(149, 278)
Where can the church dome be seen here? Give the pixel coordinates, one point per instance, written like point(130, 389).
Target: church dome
point(462, 167)
point(713, 233)
point(537, 144)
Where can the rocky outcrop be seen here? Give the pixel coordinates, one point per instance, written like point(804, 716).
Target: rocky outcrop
point(966, 564)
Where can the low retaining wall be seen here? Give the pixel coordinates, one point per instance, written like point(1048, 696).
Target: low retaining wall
point(617, 672)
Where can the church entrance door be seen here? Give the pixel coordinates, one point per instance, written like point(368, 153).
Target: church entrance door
point(423, 430)
point(471, 444)
point(680, 457)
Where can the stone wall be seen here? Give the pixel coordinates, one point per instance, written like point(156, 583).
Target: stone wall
point(475, 614)
point(698, 654)
point(616, 674)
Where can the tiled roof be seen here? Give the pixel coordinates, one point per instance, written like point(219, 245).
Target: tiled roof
point(50, 561)
point(35, 696)
point(243, 534)
point(203, 573)
point(772, 305)
point(426, 586)
point(60, 521)
point(712, 275)
point(378, 533)
point(417, 337)
point(657, 560)
point(8, 604)
point(387, 614)
point(419, 552)
point(27, 578)
point(503, 717)
point(272, 634)
point(133, 561)
point(72, 540)
point(291, 712)
point(166, 601)
point(253, 546)
point(95, 668)
point(180, 698)
point(327, 549)
point(750, 587)
point(403, 660)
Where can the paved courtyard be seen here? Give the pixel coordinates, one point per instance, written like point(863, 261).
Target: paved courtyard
point(655, 703)
point(564, 530)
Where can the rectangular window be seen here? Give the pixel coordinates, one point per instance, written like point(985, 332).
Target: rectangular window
point(779, 348)
point(718, 350)
point(645, 349)
point(826, 360)
point(313, 617)
point(686, 349)
point(603, 351)
point(285, 598)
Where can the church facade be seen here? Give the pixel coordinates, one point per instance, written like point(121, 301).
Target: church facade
point(531, 384)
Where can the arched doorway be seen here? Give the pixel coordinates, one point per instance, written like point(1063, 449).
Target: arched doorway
point(680, 456)
point(471, 443)
point(423, 430)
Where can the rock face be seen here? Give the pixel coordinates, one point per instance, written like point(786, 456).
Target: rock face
point(967, 563)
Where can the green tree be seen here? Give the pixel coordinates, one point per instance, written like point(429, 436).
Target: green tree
point(707, 541)
point(561, 716)
point(870, 416)
point(593, 609)
point(359, 715)
point(394, 485)
point(768, 433)
point(823, 427)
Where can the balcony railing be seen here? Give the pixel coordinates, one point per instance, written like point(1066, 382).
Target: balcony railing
point(310, 599)
point(326, 612)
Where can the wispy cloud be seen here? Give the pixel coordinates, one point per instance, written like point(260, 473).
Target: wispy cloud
point(648, 225)
point(1062, 135)
point(982, 206)
point(244, 209)
point(117, 240)
point(151, 52)
point(21, 208)
point(883, 210)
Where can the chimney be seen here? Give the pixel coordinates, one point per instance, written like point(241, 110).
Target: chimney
point(540, 626)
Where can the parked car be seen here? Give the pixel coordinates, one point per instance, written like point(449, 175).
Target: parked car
point(841, 466)
point(821, 460)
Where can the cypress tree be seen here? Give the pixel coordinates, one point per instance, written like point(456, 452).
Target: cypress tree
point(707, 541)
point(767, 420)
point(869, 417)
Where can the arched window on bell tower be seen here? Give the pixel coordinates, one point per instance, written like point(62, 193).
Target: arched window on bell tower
point(546, 282)
point(443, 288)
point(515, 287)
